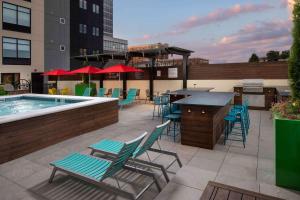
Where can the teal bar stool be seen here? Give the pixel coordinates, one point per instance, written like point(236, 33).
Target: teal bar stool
point(174, 126)
point(235, 126)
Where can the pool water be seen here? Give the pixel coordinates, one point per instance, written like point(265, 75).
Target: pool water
point(17, 105)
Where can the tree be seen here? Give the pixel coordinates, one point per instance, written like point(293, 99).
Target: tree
point(294, 59)
point(253, 58)
point(273, 56)
point(285, 54)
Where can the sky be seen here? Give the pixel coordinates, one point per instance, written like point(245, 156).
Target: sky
point(219, 30)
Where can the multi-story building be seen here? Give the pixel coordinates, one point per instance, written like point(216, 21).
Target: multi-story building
point(22, 39)
point(41, 35)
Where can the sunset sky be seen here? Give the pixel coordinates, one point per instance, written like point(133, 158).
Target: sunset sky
point(222, 31)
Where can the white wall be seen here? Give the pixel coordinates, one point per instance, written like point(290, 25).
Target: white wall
point(163, 85)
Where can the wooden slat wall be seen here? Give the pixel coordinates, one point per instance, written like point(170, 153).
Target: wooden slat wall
point(236, 71)
point(227, 71)
point(25, 136)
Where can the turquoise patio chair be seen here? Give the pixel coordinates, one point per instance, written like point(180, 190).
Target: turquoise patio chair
point(87, 92)
point(101, 92)
point(95, 170)
point(130, 98)
point(115, 93)
point(112, 148)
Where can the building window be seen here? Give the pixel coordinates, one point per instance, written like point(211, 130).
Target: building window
point(83, 28)
point(16, 51)
point(96, 9)
point(95, 31)
point(62, 20)
point(62, 47)
point(83, 4)
point(82, 51)
point(16, 18)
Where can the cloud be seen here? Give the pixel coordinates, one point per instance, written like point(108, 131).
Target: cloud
point(258, 38)
point(221, 15)
point(288, 4)
point(218, 15)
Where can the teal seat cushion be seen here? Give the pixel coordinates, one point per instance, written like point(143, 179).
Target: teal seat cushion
point(177, 112)
point(230, 118)
point(110, 146)
point(84, 165)
point(172, 116)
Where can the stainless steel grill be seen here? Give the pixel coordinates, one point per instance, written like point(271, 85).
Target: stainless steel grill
point(253, 86)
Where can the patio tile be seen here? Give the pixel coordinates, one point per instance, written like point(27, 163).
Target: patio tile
point(279, 192)
point(10, 191)
point(264, 176)
point(20, 169)
point(241, 160)
point(239, 182)
point(211, 154)
point(266, 164)
point(206, 163)
point(238, 171)
point(175, 191)
point(194, 177)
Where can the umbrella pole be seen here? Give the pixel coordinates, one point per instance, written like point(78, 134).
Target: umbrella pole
point(90, 82)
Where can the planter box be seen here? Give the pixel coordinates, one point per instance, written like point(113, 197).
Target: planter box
point(287, 153)
point(80, 88)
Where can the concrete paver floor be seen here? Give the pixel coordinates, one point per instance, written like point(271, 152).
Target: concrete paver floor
point(251, 168)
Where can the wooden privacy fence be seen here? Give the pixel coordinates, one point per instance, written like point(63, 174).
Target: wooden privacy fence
point(237, 71)
point(227, 71)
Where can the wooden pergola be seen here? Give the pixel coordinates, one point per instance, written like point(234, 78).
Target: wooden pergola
point(151, 54)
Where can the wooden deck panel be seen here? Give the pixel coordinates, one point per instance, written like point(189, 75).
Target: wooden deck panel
point(218, 191)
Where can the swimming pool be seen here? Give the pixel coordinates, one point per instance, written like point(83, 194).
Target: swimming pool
point(30, 122)
point(23, 104)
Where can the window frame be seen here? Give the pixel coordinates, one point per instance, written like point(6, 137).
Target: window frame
point(16, 27)
point(16, 60)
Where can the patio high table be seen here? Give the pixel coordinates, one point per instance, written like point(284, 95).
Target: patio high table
point(202, 118)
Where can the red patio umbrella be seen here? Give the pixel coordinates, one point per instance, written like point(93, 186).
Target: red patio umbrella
point(120, 68)
point(58, 73)
point(87, 70)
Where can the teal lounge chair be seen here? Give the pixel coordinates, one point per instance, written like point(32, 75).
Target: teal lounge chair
point(130, 98)
point(95, 170)
point(87, 92)
point(116, 93)
point(101, 92)
point(112, 148)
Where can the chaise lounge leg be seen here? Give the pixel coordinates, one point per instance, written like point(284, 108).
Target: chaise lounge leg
point(92, 152)
point(52, 175)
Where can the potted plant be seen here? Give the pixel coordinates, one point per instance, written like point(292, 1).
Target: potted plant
point(287, 119)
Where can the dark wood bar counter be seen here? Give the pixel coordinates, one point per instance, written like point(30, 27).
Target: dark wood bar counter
point(202, 116)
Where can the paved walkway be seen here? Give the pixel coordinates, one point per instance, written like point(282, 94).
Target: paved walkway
point(251, 168)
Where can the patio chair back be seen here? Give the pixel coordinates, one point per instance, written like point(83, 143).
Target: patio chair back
point(116, 93)
point(121, 159)
point(101, 92)
point(156, 133)
point(87, 92)
point(131, 93)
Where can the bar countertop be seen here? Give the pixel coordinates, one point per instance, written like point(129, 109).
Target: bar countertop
point(190, 91)
point(207, 99)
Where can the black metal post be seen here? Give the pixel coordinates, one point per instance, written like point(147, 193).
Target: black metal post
point(124, 85)
point(101, 81)
point(151, 78)
point(184, 70)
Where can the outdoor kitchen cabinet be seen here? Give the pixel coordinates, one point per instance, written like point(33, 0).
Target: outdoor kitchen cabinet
point(270, 97)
